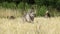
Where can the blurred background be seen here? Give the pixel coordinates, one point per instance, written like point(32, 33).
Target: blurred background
point(41, 25)
point(18, 7)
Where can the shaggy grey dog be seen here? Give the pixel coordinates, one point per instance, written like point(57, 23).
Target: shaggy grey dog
point(29, 17)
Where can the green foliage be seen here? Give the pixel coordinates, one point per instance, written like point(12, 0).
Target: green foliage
point(8, 5)
point(21, 5)
point(42, 5)
point(39, 2)
point(27, 6)
point(41, 10)
point(58, 3)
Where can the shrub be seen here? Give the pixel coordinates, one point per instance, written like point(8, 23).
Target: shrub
point(8, 5)
point(27, 6)
point(41, 10)
point(21, 5)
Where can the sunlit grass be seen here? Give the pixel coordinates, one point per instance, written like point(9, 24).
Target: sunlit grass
point(41, 25)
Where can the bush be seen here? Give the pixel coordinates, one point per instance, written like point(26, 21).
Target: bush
point(8, 5)
point(21, 5)
point(24, 7)
point(27, 6)
point(41, 10)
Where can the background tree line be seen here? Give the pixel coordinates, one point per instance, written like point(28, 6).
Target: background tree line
point(41, 6)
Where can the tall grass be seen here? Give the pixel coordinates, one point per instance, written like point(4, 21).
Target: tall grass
point(41, 25)
point(24, 7)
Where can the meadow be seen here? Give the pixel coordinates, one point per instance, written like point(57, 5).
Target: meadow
point(41, 25)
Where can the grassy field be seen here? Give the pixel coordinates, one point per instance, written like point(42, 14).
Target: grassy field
point(9, 12)
point(41, 25)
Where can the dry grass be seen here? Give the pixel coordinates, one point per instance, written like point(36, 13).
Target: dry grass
point(9, 12)
point(41, 25)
